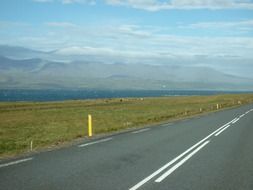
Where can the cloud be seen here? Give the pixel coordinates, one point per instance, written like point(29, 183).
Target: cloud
point(156, 5)
point(133, 43)
point(165, 46)
point(133, 30)
point(90, 2)
point(61, 24)
point(107, 52)
point(43, 1)
point(86, 50)
point(229, 25)
point(221, 28)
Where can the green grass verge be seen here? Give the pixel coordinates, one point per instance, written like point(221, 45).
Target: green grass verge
point(54, 123)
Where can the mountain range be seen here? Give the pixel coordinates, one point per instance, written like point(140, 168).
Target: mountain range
point(24, 68)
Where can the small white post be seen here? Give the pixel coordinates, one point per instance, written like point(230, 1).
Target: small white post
point(31, 146)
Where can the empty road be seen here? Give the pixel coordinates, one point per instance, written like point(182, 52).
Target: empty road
point(210, 152)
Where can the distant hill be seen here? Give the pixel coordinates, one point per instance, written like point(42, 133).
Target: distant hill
point(24, 65)
point(39, 73)
point(25, 68)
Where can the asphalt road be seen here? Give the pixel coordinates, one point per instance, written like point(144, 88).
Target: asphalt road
point(211, 152)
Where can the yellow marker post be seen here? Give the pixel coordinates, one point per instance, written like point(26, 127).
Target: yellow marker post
point(89, 125)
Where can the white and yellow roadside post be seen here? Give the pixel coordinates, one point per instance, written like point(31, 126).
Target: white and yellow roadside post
point(89, 125)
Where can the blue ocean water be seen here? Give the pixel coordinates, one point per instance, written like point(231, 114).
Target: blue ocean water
point(58, 95)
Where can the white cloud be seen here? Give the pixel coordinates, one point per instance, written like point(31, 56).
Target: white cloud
point(202, 3)
point(133, 30)
point(131, 43)
point(90, 2)
point(156, 5)
point(165, 46)
point(106, 52)
point(221, 28)
point(61, 24)
point(43, 1)
point(210, 25)
point(77, 50)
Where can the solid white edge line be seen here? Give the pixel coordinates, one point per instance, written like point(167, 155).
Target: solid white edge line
point(140, 131)
point(15, 162)
point(95, 142)
point(171, 170)
point(222, 130)
point(145, 180)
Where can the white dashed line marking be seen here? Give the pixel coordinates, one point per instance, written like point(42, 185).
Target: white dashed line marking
point(15, 162)
point(140, 131)
point(95, 142)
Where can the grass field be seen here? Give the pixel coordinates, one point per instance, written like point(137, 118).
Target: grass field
point(54, 123)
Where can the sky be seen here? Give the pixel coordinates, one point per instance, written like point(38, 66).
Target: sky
point(211, 33)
